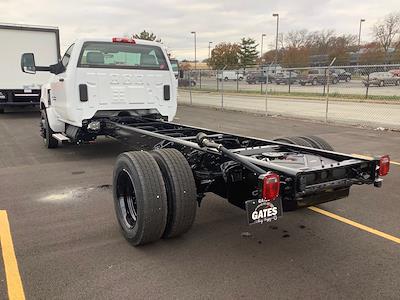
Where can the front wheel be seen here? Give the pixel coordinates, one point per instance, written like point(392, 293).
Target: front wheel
point(46, 132)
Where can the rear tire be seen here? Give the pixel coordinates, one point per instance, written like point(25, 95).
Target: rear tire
point(294, 140)
point(140, 198)
point(181, 191)
point(47, 132)
point(322, 144)
point(1, 110)
point(307, 141)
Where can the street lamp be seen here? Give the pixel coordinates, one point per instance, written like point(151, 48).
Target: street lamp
point(262, 42)
point(277, 32)
point(209, 50)
point(195, 58)
point(359, 33)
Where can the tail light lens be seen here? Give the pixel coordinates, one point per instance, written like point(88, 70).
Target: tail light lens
point(384, 165)
point(271, 186)
point(123, 40)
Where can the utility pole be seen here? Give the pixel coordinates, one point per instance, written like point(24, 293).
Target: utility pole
point(262, 44)
point(359, 39)
point(277, 33)
point(195, 50)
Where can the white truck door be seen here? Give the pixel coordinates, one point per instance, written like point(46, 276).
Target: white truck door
point(59, 87)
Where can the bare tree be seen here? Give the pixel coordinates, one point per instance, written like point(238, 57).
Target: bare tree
point(387, 31)
point(297, 38)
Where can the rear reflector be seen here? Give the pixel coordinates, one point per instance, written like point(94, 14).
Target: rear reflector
point(384, 165)
point(271, 185)
point(123, 40)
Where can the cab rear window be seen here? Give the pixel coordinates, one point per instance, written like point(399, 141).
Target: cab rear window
point(122, 56)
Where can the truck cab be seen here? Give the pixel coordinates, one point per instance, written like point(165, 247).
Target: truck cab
point(104, 78)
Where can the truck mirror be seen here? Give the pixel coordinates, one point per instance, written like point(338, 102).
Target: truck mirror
point(28, 63)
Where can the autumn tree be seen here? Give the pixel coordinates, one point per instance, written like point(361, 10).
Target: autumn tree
point(225, 55)
point(387, 31)
point(146, 35)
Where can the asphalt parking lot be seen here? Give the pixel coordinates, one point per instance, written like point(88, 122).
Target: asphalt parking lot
point(354, 87)
point(68, 245)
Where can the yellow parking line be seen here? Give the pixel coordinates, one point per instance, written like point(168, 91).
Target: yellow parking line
point(355, 224)
point(369, 157)
point(14, 283)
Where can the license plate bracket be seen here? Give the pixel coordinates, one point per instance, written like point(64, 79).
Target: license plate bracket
point(261, 211)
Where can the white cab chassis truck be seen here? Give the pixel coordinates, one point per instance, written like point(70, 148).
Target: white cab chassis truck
point(16, 88)
point(99, 79)
point(127, 89)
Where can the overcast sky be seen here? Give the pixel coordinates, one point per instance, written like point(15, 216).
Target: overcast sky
point(213, 20)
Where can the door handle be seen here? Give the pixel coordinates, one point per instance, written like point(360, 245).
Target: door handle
point(61, 79)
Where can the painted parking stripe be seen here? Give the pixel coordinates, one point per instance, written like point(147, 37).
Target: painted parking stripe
point(369, 157)
point(355, 224)
point(13, 278)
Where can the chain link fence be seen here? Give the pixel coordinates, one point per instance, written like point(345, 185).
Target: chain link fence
point(358, 95)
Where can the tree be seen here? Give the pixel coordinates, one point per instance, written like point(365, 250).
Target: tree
point(297, 38)
point(248, 52)
point(387, 31)
point(146, 35)
point(225, 55)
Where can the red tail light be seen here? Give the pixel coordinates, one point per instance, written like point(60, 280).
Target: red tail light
point(271, 185)
point(123, 40)
point(384, 165)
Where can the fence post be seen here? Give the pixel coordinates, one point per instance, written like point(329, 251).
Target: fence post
point(217, 81)
point(190, 87)
point(237, 81)
point(290, 79)
point(366, 91)
point(266, 93)
point(222, 91)
point(200, 78)
point(327, 91)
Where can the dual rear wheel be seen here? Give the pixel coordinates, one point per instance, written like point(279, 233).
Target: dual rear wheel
point(307, 141)
point(154, 195)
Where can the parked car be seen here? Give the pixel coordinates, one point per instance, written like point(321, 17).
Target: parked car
point(286, 77)
point(183, 82)
point(256, 77)
point(395, 72)
point(342, 74)
point(230, 75)
point(381, 79)
point(318, 76)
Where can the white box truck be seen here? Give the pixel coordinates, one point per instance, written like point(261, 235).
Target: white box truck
point(17, 88)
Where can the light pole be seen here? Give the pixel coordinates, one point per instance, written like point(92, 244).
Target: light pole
point(359, 40)
point(209, 51)
point(262, 44)
point(277, 32)
point(195, 49)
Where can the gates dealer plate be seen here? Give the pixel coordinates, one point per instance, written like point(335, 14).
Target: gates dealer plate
point(261, 211)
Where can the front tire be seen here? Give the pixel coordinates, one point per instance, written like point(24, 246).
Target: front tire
point(47, 132)
point(140, 198)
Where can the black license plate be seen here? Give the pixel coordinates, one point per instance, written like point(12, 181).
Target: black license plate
point(261, 211)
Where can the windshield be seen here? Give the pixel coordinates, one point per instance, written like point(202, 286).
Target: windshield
point(122, 56)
